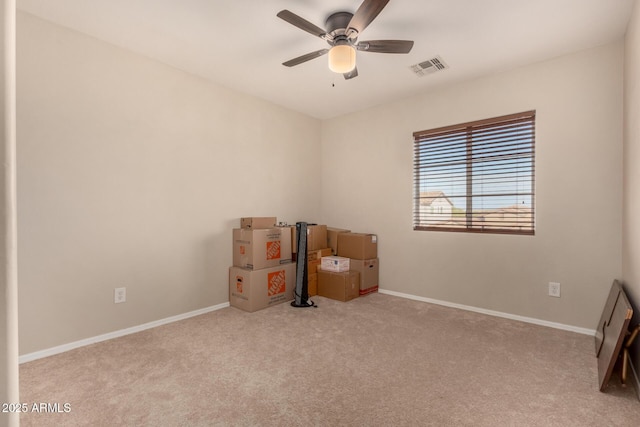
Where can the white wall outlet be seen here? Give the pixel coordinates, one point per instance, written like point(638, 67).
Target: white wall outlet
point(554, 289)
point(120, 295)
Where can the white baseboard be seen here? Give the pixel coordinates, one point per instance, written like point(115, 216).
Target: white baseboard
point(122, 332)
point(583, 331)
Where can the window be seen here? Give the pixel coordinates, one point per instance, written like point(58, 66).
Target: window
point(479, 176)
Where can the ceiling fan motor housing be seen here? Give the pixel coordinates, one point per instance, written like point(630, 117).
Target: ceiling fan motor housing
point(337, 24)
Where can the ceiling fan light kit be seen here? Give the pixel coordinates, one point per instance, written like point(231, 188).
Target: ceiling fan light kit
point(343, 29)
point(342, 58)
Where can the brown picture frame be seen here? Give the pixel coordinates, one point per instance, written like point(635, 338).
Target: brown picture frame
point(611, 331)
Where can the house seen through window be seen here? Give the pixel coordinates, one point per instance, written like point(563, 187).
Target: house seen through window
point(476, 176)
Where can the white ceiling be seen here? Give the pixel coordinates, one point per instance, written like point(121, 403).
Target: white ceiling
point(241, 44)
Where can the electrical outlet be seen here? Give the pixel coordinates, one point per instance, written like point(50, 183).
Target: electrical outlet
point(554, 289)
point(120, 295)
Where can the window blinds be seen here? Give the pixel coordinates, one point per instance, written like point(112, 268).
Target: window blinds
point(476, 176)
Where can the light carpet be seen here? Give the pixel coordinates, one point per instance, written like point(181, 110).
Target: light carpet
point(378, 360)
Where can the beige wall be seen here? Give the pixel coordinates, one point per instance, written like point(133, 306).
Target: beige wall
point(631, 224)
point(132, 173)
point(8, 265)
point(367, 186)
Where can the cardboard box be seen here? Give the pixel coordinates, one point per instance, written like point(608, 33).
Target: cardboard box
point(290, 231)
point(358, 245)
point(332, 238)
point(313, 266)
point(316, 237)
point(343, 286)
point(312, 284)
point(258, 222)
point(260, 248)
point(369, 272)
point(318, 253)
point(336, 264)
point(252, 290)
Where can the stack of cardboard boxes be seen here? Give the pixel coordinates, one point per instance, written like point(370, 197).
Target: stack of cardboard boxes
point(341, 265)
point(263, 273)
point(355, 269)
point(362, 251)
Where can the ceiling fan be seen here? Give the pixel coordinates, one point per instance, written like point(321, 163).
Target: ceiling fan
point(343, 29)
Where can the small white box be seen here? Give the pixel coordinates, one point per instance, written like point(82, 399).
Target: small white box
point(337, 264)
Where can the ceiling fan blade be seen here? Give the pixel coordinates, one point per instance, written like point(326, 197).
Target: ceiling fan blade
point(365, 14)
point(305, 58)
point(301, 23)
point(385, 46)
point(351, 74)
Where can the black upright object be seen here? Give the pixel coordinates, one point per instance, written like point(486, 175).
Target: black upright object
point(301, 290)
